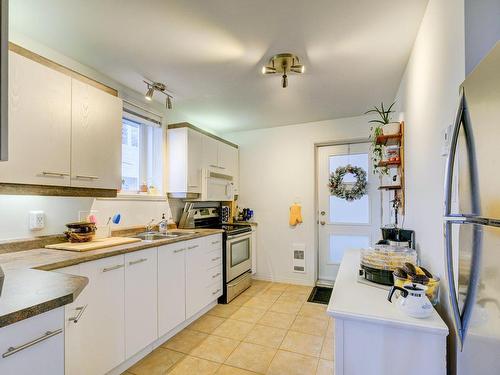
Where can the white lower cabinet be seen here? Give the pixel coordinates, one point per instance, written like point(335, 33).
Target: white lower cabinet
point(95, 335)
point(34, 345)
point(171, 286)
point(203, 272)
point(141, 302)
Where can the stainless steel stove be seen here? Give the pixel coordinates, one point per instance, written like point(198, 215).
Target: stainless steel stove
point(237, 245)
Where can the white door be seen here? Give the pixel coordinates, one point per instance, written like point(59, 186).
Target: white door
point(344, 225)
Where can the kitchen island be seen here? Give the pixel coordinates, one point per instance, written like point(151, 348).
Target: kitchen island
point(368, 328)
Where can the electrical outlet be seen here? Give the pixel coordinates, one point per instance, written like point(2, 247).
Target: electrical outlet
point(37, 220)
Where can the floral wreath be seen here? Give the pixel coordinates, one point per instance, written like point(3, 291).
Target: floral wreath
point(346, 191)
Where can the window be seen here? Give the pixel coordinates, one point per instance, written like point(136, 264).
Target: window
point(142, 152)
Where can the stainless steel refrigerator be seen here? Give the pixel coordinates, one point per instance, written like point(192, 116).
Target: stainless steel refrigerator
point(472, 221)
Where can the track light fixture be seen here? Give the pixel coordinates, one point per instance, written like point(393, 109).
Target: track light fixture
point(161, 87)
point(283, 63)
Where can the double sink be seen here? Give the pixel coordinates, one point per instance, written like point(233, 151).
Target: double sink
point(155, 236)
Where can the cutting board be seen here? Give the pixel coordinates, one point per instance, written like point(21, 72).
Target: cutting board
point(94, 244)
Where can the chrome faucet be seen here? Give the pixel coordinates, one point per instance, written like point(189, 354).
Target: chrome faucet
point(150, 225)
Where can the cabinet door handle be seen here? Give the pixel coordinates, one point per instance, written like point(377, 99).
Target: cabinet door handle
point(192, 185)
point(112, 268)
point(179, 250)
point(85, 177)
point(216, 275)
point(192, 247)
point(16, 349)
point(76, 318)
point(54, 174)
point(131, 263)
point(214, 293)
point(214, 259)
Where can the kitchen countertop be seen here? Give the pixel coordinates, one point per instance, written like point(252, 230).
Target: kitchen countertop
point(51, 259)
point(30, 290)
point(354, 300)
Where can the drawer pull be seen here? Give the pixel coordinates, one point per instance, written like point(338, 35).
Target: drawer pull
point(137, 261)
point(214, 259)
point(193, 247)
point(215, 242)
point(216, 275)
point(214, 293)
point(80, 310)
point(16, 349)
point(54, 174)
point(85, 177)
point(118, 266)
point(179, 250)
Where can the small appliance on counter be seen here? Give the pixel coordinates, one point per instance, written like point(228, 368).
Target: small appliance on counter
point(397, 237)
point(413, 300)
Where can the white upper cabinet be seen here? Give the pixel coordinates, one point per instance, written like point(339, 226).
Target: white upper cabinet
point(190, 151)
point(95, 137)
point(210, 152)
point(39, 124)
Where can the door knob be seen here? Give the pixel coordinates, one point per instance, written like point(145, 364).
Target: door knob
point(322, 222)
point(322, 213)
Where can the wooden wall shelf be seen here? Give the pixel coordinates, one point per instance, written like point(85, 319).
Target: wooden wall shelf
point(390, 187)
point(389, 163)
point(388, 140)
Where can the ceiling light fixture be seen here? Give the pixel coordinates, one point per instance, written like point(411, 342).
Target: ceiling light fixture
point(283, 63)
point(160, 87)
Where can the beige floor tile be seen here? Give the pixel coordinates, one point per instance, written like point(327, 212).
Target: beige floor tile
point(206, 323)
point(157, 363)
point(251, 357)
point(271, 294)
point(215, 348)
point(267, 336)
point(286, 307)
point(324, 367)
point(286, 363)
point(308, 325)
point(278, 287)
point(293, 297)
point(192, 365)
point(327, 349)
point(277, 319)
point(223, 310)
point(314, 310)
point(331, 327)
point(233, 329)
point(185, 341)
point(259, 302)
point(302, 343)
point(254, 290)
point(300, 289)
point(248, 314)
point(230, 370)
point(240, 300)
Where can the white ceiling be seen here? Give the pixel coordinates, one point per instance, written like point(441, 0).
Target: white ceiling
point(210, 52)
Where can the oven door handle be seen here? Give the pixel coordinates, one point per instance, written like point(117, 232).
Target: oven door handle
point(246, 234)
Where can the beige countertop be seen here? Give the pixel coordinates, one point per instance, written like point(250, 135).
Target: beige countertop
point(29, 290)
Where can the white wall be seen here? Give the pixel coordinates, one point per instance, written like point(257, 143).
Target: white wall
point(14, 210)
point(428, 96)
point(277, 167)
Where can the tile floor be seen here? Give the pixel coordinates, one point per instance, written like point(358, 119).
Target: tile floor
point(269, 329)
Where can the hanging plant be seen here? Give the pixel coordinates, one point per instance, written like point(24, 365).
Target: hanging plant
point(384, 118)
point(348, 191)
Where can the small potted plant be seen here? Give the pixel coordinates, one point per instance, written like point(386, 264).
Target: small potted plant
point(382, 125)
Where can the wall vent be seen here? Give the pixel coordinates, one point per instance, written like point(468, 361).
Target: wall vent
point(299, 257)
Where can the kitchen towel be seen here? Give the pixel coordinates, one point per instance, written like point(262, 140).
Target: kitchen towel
point(295, 214)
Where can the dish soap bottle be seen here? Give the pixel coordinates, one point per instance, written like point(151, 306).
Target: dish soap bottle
point(163, 224)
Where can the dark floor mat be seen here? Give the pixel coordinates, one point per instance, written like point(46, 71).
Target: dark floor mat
point(321, 295)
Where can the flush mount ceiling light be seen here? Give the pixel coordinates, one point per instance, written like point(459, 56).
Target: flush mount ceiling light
point(160, 87)
point(283, 63)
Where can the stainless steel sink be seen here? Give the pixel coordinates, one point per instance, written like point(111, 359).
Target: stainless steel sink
point(180, 233)
point(155, 236)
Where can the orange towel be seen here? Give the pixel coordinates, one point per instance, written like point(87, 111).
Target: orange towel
point(295, 214)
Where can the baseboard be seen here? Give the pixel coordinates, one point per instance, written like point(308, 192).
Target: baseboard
point(264, 277)
point(148, 349)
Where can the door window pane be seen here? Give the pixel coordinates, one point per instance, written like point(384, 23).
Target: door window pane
point(342, 211)
point(339, 243)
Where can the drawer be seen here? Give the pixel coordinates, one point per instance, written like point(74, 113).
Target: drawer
point(213, 258)
point(214, 242)
point(213, 275)
point(214, 291)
